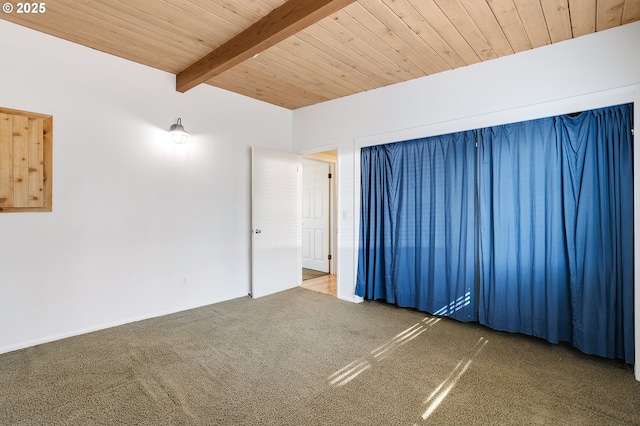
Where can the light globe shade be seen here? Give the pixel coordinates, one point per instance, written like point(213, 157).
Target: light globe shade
point(178, 133)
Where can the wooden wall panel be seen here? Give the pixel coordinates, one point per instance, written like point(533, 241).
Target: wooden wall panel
point(47, 164)
point(36, 162)
point(6, 160)
point(25, 161)
point(20, 161)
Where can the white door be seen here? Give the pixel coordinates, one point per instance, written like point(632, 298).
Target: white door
point(276, 235)
point(315, 216)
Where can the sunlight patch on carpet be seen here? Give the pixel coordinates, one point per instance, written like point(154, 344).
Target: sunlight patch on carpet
point(349, 372)
point(441, 392)
point(355, 368)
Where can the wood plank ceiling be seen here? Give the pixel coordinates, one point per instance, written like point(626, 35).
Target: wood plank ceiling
point(363, 46)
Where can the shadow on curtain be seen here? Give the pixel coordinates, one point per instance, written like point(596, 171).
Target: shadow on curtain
point(555, 228)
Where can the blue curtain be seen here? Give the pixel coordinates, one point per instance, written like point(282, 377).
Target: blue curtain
point(554, 232)
point(417, 228)
point(524, 269)
point(375, 253)
point(597, 169)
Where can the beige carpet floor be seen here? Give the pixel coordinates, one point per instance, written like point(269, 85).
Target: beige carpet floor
point(305, 358)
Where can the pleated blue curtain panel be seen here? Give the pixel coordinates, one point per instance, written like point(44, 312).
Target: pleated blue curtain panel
point(524, 268)
point(417, 228)
point(532, 232)
point(597, 169)
point(375, 252)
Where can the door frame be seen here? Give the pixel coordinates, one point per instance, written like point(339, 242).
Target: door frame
point(317, 155)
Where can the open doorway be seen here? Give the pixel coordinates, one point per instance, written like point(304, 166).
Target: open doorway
point(318, 222)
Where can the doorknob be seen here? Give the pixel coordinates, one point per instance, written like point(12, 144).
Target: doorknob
point(258, 231)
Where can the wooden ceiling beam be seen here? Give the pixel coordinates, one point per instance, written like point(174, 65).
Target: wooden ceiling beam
point(279, 24)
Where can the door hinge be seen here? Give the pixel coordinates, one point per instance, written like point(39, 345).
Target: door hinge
point(329, 175)
point(329, 257)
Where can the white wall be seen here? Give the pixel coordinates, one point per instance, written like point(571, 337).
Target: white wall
point(588, 72)
point(134, 215)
